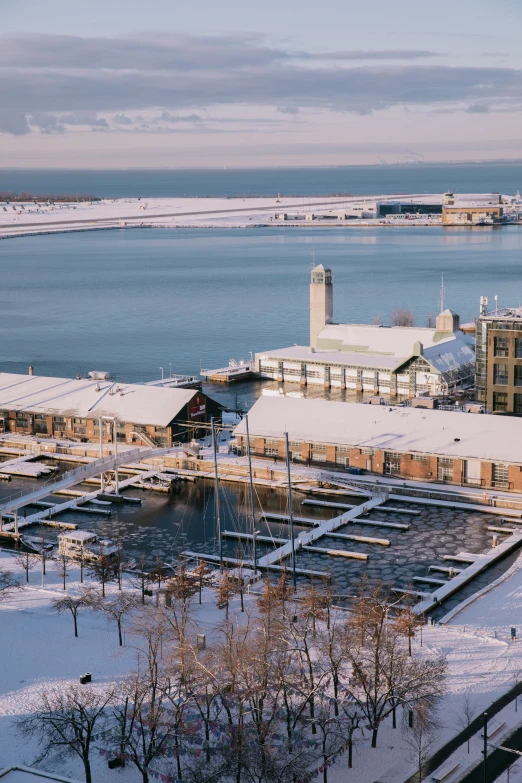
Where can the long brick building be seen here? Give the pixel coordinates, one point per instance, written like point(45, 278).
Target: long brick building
point(75, 409)
point(405, 442)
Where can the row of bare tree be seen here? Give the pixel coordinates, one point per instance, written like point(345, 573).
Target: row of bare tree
point(281, 689)
point(402, 317)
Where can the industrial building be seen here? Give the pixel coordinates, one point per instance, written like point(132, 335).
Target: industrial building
point(76, 408)
point(498, 371)
point(394, 361)
point(409, 443)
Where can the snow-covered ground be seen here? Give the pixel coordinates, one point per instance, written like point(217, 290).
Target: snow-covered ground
point(38, 650)
point(170, 213)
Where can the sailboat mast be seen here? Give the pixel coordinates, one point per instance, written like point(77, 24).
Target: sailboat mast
point(216, 495)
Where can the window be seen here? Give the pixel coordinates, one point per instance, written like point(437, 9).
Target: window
point(517, 407)
point(342, 459)
point(419, 457)
point(518, 347)
point(518, 374)
point(445, 469)
point(318, 447)
point(271, 452)
point(500, 475)
point(392, 463)
point(499, 402)
point(500, 374)
point(368, 452)
point(271, 442)
point(318, 456)
point(501, 346)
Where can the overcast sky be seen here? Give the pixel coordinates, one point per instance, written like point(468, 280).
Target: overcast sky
point(121, 83)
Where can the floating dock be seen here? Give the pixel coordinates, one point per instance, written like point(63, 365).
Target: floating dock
point(235, 371)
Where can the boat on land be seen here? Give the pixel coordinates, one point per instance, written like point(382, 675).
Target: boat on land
point(36, 545)
point(84, 544)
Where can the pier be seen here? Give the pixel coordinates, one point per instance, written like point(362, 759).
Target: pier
point(235, 371)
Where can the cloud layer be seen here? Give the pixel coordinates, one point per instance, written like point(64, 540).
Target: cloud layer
point(53, 82)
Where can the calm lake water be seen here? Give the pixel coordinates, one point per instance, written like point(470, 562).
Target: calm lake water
point(132, 301)
point(418, 178)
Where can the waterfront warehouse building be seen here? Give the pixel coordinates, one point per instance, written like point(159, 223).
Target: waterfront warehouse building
point(404, 442)
point(74, 409)
point(394, 361)
point(498, 346)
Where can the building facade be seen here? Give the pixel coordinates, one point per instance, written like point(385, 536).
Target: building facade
point(391, 361)
point(498, 369)
point(408, 443)
point(75, 409)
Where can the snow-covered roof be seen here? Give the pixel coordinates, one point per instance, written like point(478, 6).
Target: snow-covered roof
point(303, 353)
point(137, 404)
point(391, 340)
point(30, 775)
point(78, 535)
point(448, 354)
point(408, 430)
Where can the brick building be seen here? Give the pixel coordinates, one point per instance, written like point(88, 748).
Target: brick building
point(409, 443)
point(75, 409)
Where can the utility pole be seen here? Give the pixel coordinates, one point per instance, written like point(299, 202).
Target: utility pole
point(252, 506)
point(290, 510)
point(485, 751)
point(216, 495)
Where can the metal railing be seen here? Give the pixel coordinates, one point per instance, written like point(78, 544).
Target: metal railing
point(76, 476)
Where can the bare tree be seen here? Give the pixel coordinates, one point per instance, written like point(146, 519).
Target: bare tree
point(62, 563)
point(201, 571)
point(102, 570)
point(145, 729)
point(160, 572)
point(72, 604)
point(8, 583)
point(420, 736)
point(65, 721)
point(383, 674)
point(430, 321)
point(116, 606)
point(377, 320)
point(27, 561)
point(407, 623)
point(141, 577)
point(225, 590)
point(401, 317)
point(469, 709)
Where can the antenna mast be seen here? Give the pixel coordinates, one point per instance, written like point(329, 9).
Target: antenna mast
point(442, 294)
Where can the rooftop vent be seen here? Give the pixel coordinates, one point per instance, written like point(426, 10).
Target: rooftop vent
point(96, 375)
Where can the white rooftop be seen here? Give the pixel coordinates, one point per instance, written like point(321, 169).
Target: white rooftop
point(391, 340)
point(447, 354)
point(78, 535)
point(303, 353)
point(129, 402)
point(30, 775)
point(443, 433)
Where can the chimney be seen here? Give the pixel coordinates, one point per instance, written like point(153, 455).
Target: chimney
point(31, 369)
point(448, 322)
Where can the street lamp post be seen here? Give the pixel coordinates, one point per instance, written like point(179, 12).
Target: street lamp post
point(161, 368)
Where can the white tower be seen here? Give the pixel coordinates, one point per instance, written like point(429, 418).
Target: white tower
point(321, 301)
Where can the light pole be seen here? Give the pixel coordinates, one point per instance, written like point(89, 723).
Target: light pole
point(290, 510)
point(161, 368)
